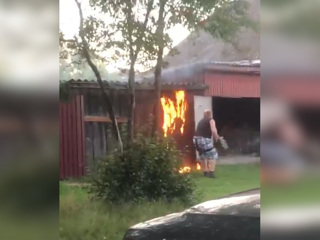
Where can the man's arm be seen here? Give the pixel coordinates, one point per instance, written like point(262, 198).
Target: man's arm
point(214, 130)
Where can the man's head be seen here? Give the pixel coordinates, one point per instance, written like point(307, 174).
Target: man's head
point(207, 114)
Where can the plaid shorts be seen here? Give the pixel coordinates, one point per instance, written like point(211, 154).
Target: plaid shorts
point(206, 147)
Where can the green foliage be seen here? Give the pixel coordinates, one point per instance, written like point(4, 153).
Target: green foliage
point(147, 170)
point(221, 18)
point(128, 26)
point(121, 29)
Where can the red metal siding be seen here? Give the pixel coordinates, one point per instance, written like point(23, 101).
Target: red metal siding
point(232, 85)
point(72, 140)
point(297, 90)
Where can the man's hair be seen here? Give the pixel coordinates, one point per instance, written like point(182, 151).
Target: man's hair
point(207, 113)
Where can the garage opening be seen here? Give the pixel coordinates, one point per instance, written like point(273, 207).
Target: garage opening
point(238, 121)
point(308, 121)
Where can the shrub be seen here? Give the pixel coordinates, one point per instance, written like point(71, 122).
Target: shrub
point(147, 170)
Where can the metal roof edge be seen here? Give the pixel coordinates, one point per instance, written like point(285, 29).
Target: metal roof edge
point(242, 63)
point(139, 85)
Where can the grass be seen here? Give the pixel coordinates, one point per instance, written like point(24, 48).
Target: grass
point(301, 193)
point(230, 179)
point(82, 219)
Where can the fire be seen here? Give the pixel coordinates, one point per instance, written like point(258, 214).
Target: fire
point(185, 170)
point(198, 166)
point(174, 112)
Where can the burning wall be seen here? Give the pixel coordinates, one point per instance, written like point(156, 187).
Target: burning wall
point(174, 123)
point(174, 113)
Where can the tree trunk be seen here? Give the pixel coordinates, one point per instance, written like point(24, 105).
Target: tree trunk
point(157, 79)
point(106, 103)
point(158, 69)
point(131, 103)
point(133, 59)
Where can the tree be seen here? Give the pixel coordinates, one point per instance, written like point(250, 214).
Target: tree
point(221, 18)
point(158, 68)
point(73, 64)
point(106, 103)
point(134, 33)
point(131, 20)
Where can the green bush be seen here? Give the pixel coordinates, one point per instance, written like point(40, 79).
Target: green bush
point(147, 170)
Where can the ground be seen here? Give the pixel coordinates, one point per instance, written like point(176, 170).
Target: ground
point(242, 159)
point(84, 219)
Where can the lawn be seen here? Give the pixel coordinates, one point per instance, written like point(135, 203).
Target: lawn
point(84, 219)
point(304, 192)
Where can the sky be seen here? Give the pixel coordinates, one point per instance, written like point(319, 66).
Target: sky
point(69, 23)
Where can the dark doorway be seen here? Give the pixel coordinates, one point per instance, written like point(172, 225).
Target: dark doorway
point(309, 119)
point(238, 120)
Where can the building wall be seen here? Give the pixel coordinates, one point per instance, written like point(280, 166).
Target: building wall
point(297, 90)
point(145, 105)
point(86, 132)
point(190, 153)
point(232, 84)
point(72, 146)
point(99, 138)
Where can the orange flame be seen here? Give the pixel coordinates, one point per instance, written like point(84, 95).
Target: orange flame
point(173, 112)
point(185, 169)
point(198, 166)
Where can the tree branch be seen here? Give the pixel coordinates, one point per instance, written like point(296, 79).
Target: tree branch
point(130, 29)
point(107, 105)
point(158, 69)
point(144, 27)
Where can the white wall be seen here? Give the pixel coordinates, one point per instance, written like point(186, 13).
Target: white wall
point(201, 103)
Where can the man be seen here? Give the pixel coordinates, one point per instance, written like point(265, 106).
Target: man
point(282, 141)
point(206, 130)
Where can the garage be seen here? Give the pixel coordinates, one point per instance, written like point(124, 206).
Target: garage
point(233, 95)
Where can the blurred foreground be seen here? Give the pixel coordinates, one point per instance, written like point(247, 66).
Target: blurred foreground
point(290, 114)
point(29, 120)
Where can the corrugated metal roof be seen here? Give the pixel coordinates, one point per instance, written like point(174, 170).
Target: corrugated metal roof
point(194, 73)
point(244, 63)
point(79, 83)
point(107, 82)
point(190, 76)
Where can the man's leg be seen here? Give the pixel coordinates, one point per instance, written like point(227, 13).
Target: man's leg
point(211, 167)
point(205, 167)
